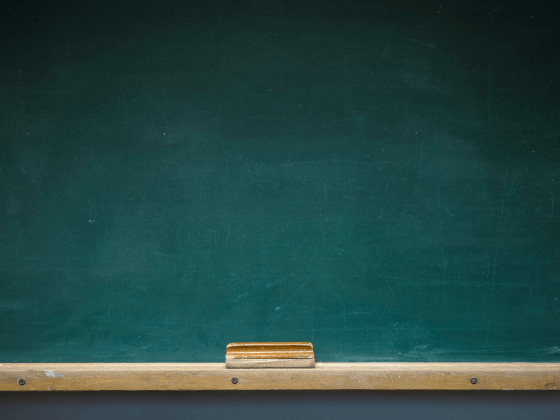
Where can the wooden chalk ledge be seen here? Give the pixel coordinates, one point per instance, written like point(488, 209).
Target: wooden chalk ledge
point(325, 376)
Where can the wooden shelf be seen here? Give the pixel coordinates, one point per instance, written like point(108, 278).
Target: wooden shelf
point(325, 376)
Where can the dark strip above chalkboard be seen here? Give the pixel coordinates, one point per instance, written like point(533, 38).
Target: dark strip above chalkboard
point(325, 376)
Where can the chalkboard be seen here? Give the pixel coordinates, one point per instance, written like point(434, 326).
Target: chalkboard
point(380, 179)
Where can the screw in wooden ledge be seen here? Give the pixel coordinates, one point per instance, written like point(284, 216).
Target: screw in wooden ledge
point(21, 381)
point(474, 381)
point(234, 380)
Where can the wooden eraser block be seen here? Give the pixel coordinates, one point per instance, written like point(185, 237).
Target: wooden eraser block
point(269, 355)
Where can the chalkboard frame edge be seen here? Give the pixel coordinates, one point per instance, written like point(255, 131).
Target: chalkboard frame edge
point(325, 376)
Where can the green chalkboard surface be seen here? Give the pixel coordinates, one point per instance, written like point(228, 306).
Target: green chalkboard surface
point(381, 179)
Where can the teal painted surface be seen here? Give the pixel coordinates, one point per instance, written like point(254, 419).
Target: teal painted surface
point(382, 181)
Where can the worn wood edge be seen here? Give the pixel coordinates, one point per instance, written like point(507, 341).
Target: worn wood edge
point(325, 376)
point(271, 355)
point(234, 363)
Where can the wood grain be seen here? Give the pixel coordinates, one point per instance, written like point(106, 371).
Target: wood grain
point(325, 376)
point(269, 363)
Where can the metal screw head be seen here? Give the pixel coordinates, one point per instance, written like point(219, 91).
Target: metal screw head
point(473, 381)
point(234, 380)
point(21, 381)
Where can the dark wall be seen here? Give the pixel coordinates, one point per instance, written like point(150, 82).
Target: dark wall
point(282, 405)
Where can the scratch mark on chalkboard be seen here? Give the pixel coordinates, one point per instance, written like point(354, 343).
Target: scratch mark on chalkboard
point(300, 177)
point(526, 108)
point(546, 87)
point(331, 161)
point(288, 302)
point(228, 228)
point(352, 190)
point(324, 191)
point(225, 154)
point(494, 11)
point(94, 164)
point(395, 337)
point(383, 56)
point(160, 110)
point(390, 288)
point(278, 58)
point(418, 41)
point(420, 164)
point(257, 180)
point(214, 232)
point(264, 253)
point(124, 102)
point(489, 81)
point(498, 246)
point(389, 182)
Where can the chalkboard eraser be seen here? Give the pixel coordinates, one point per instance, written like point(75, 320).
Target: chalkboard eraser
point(269, 355)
